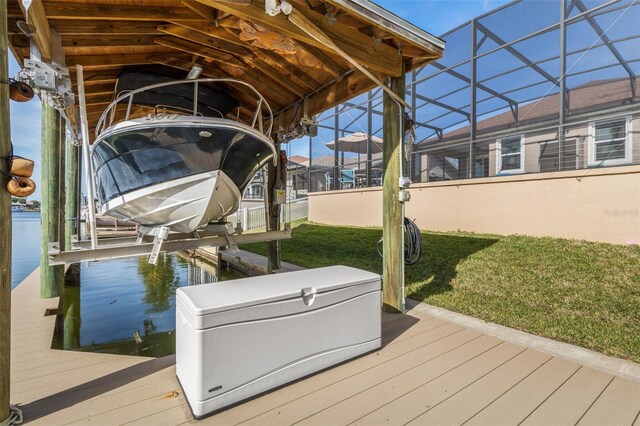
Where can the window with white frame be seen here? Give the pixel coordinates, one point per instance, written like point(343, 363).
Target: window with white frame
point(610, 142)
point(510, 155)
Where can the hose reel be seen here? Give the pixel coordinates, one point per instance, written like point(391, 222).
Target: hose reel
point(412, 243)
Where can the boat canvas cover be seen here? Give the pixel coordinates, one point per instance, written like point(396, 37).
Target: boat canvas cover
point(211, 103)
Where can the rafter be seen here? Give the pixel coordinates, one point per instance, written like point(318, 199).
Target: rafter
point(199, 50)
point(110, 12)
point(209, 41)
point(94, 27)
point(42, 37)
point(381, 57)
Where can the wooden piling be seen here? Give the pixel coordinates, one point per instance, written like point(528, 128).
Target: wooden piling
point(5, 223)
point(392, 220)
point(72, 187)
point(273, 213)
point(51, 277)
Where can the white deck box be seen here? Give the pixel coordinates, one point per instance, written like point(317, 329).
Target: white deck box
point(237, 339)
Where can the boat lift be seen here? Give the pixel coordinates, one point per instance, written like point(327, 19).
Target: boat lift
point(150, 241)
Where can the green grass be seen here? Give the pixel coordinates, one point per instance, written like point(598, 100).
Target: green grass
point(574, 291)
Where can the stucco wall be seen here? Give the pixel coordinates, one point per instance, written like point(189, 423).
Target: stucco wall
point(593, 204)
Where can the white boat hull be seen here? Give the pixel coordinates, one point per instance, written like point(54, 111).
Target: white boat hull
point(183, 205)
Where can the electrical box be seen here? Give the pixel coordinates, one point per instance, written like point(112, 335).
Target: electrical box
point(237, 339)
point(280, 196)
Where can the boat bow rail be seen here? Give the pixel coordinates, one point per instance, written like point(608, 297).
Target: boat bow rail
point(108, 117)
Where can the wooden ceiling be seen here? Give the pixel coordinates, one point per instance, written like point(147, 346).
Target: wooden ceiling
point(227, 38)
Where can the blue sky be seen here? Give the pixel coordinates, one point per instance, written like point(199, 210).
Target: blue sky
point(436, 17)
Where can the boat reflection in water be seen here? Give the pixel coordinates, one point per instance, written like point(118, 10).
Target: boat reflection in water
point(127, 306)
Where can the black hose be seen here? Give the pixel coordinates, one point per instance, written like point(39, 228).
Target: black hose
point(412, 243)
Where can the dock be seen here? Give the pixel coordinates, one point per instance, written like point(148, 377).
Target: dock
point(429, 371)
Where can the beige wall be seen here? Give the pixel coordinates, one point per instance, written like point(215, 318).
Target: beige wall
point(593, 204)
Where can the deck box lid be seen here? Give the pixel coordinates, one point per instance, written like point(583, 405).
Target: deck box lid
point(223, 296)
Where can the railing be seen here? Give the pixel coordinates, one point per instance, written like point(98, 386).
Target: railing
point(107, 119)
point(254, 218)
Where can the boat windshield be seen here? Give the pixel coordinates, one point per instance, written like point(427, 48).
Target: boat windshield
point(135, 159)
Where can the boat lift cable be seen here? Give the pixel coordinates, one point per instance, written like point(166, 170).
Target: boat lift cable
point(412, 243)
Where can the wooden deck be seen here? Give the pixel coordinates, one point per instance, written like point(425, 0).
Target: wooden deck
point(428, 372)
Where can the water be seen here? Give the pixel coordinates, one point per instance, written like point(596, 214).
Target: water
point(127, 306)
point(123, 306)
point(25, 245)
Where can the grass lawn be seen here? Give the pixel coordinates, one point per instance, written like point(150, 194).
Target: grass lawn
point(579, 292)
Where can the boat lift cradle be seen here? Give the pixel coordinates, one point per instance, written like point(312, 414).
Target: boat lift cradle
point(150, 241)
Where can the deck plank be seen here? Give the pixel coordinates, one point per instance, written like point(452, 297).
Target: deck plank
point(415, 402)
point(463, 405)
point(520, 401)
point(617, 405)
point(356, 406)
point(569, 403)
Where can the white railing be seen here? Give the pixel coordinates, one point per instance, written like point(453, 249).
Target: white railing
point(254, 218)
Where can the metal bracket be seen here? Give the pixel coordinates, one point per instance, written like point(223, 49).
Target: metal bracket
point(161, 235)
point(117, 248)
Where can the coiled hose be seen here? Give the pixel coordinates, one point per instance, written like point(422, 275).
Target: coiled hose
point(412, 243)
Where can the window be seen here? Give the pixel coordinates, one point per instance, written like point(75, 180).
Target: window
point(510, 155)
point(610, 142)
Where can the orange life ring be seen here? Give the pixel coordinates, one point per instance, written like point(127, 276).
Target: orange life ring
point(21, 187)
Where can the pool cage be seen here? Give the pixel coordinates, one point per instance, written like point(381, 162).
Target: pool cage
point(530, 87)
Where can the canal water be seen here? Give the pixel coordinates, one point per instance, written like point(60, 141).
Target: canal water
point(25, 245)
point(122, 306)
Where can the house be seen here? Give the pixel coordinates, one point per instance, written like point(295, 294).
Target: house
point(599, 132)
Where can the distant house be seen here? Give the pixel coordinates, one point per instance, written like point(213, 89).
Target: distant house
point(599, 133)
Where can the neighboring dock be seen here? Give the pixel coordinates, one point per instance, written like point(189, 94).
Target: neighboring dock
point(428, 371)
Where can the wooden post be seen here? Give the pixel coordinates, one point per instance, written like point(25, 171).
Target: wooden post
point(72, 186)
point(273, 213)
point(392, 220)
point(5, 223)
point(51, 277)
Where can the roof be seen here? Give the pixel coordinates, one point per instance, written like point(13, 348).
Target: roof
point(593, 95)
point(281, 57)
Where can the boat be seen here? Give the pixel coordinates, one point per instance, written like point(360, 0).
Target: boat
point(16, 207)
point(181, 164)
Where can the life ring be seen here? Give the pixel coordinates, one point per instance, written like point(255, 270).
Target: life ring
point(21, 187)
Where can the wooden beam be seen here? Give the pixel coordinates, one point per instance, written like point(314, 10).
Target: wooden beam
point(301, 21)
point(334, 94)
point(203, 39)
point(118, 12)
point(104, 62)
point(331, 65)
point(5, 225)
point(392, 213)
point(205, 11)
point(287, 69)
point(199, 50)
point(104, 28)
point(211, 30)
point(42, 36)
point(109, 41)
point(72, 189)
point(227, 62)
point(381, 57)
